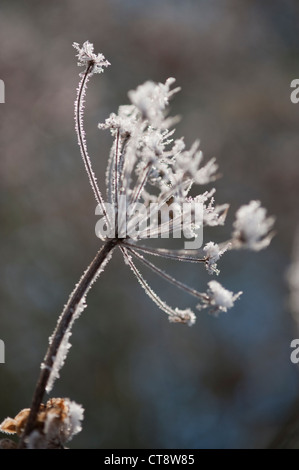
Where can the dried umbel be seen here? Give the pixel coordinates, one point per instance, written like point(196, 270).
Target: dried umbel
point(148, 166)
point(148, 171)
point(57, 422)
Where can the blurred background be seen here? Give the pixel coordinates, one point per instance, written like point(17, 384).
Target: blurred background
point(228, 382)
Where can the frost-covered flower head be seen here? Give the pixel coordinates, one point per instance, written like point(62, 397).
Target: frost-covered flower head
point(219, 298)
point(148, 166)
point(87, 58)
point(252, 227)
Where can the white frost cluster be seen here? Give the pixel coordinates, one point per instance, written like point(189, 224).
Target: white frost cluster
point(57, 422)
point(86, 57)
point(219, 298)
point(66, 422)
point(151, 100)
point(252, 227)
point(183, 316)
point(75, 418)
point(213, 253)
point(190, 163)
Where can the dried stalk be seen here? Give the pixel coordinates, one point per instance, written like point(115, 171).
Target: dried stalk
point(68, 313)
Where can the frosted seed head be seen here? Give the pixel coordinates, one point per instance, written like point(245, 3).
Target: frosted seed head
point(183, 316)
point(252, 227)
point(87, 57)
point(218, 299)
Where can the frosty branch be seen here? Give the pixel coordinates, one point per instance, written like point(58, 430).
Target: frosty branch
point(146, 166)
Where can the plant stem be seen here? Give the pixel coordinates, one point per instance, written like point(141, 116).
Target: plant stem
point(62, 326)
point(79, 117)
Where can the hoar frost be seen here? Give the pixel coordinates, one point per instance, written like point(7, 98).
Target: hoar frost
point(252, 227)
point(147, 165)
point(57, 422)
